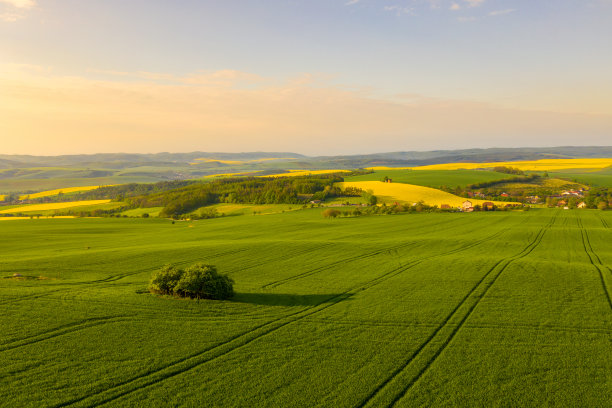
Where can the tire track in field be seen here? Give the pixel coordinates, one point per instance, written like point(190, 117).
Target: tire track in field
point(603, 222)
point(439, 336)
point(241, 340)
point(59, 331)
point(314, 271)
point(594, 259)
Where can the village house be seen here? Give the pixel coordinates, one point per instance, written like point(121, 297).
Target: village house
point(467, 206)
point(504, 195)
point(582, 205)
point(488, 206)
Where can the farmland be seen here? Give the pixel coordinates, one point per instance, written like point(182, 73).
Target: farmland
point(481, 309)
point(408, 193)
point(52, 206)
point(58, 191)
point(432, 178)
point(528, 165)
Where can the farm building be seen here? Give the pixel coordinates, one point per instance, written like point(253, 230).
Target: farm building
point(582, 205)
point(488, 206)
point(467, 206)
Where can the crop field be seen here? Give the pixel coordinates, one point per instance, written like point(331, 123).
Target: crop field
point(52, 206)
point(480, 309)
point(529, 165)
point(55, 192)
point(299, 173)
point(408, 193)
point(599, 178)
point(432, 178)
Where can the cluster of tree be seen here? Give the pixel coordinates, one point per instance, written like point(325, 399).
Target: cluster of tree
point(508, 170)
point(117, 193)
point(199, 281)
point(595, 198)
point(532, 178)
point(253, 190)
point(352, 192)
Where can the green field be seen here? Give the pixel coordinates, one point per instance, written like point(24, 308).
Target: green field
point(483, 309)
point(433, 178)
point(600, 178)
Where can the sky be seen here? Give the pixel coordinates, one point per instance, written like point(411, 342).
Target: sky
point(316, 77)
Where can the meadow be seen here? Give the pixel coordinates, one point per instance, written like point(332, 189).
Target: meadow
point(480, 309)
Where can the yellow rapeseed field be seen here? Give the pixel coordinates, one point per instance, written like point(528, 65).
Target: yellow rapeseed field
point(410, 193)
point(52, 206)
point(2, 197)
point(296, 173)
point(66, 190)
point(529, 165)
point(36, 218)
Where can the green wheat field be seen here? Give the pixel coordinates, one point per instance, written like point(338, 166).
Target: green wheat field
point(410, 310)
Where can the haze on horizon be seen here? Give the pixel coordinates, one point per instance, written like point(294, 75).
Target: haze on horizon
point(315, 77)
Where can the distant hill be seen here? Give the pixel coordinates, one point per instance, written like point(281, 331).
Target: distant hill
point(28, 174)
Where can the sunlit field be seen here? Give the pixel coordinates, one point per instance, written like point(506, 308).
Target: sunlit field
point(52, 206)
point(408, 193)
point(408, 310)
point(530, 165)
point(55, 192)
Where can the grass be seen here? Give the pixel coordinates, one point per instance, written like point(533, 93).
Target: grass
point(408, 193)
point(432, 178)
point(138, 212)
point(250, 209)
point(53, 206)
point(481, 309)
point(598, 178)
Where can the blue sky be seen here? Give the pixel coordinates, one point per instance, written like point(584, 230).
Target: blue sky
point(411, 74)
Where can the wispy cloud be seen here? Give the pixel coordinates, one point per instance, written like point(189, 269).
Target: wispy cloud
point(351, 2)
point(455, 7)
point(127, 114)
point(474, 3)
point(399, 10)
point(22, 4)
point(501, 12)
point(13, 10)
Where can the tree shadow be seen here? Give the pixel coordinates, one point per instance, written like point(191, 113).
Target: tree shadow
point(286, 299)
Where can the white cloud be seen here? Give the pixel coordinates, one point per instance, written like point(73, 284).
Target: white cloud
point(10, 17)
point(455, 7)
point(501, 12)
point(399, 10)
point(22, 4)
point(351, 2)
point(474, 3)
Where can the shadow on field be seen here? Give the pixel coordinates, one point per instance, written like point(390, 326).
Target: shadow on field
point(283, 299)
